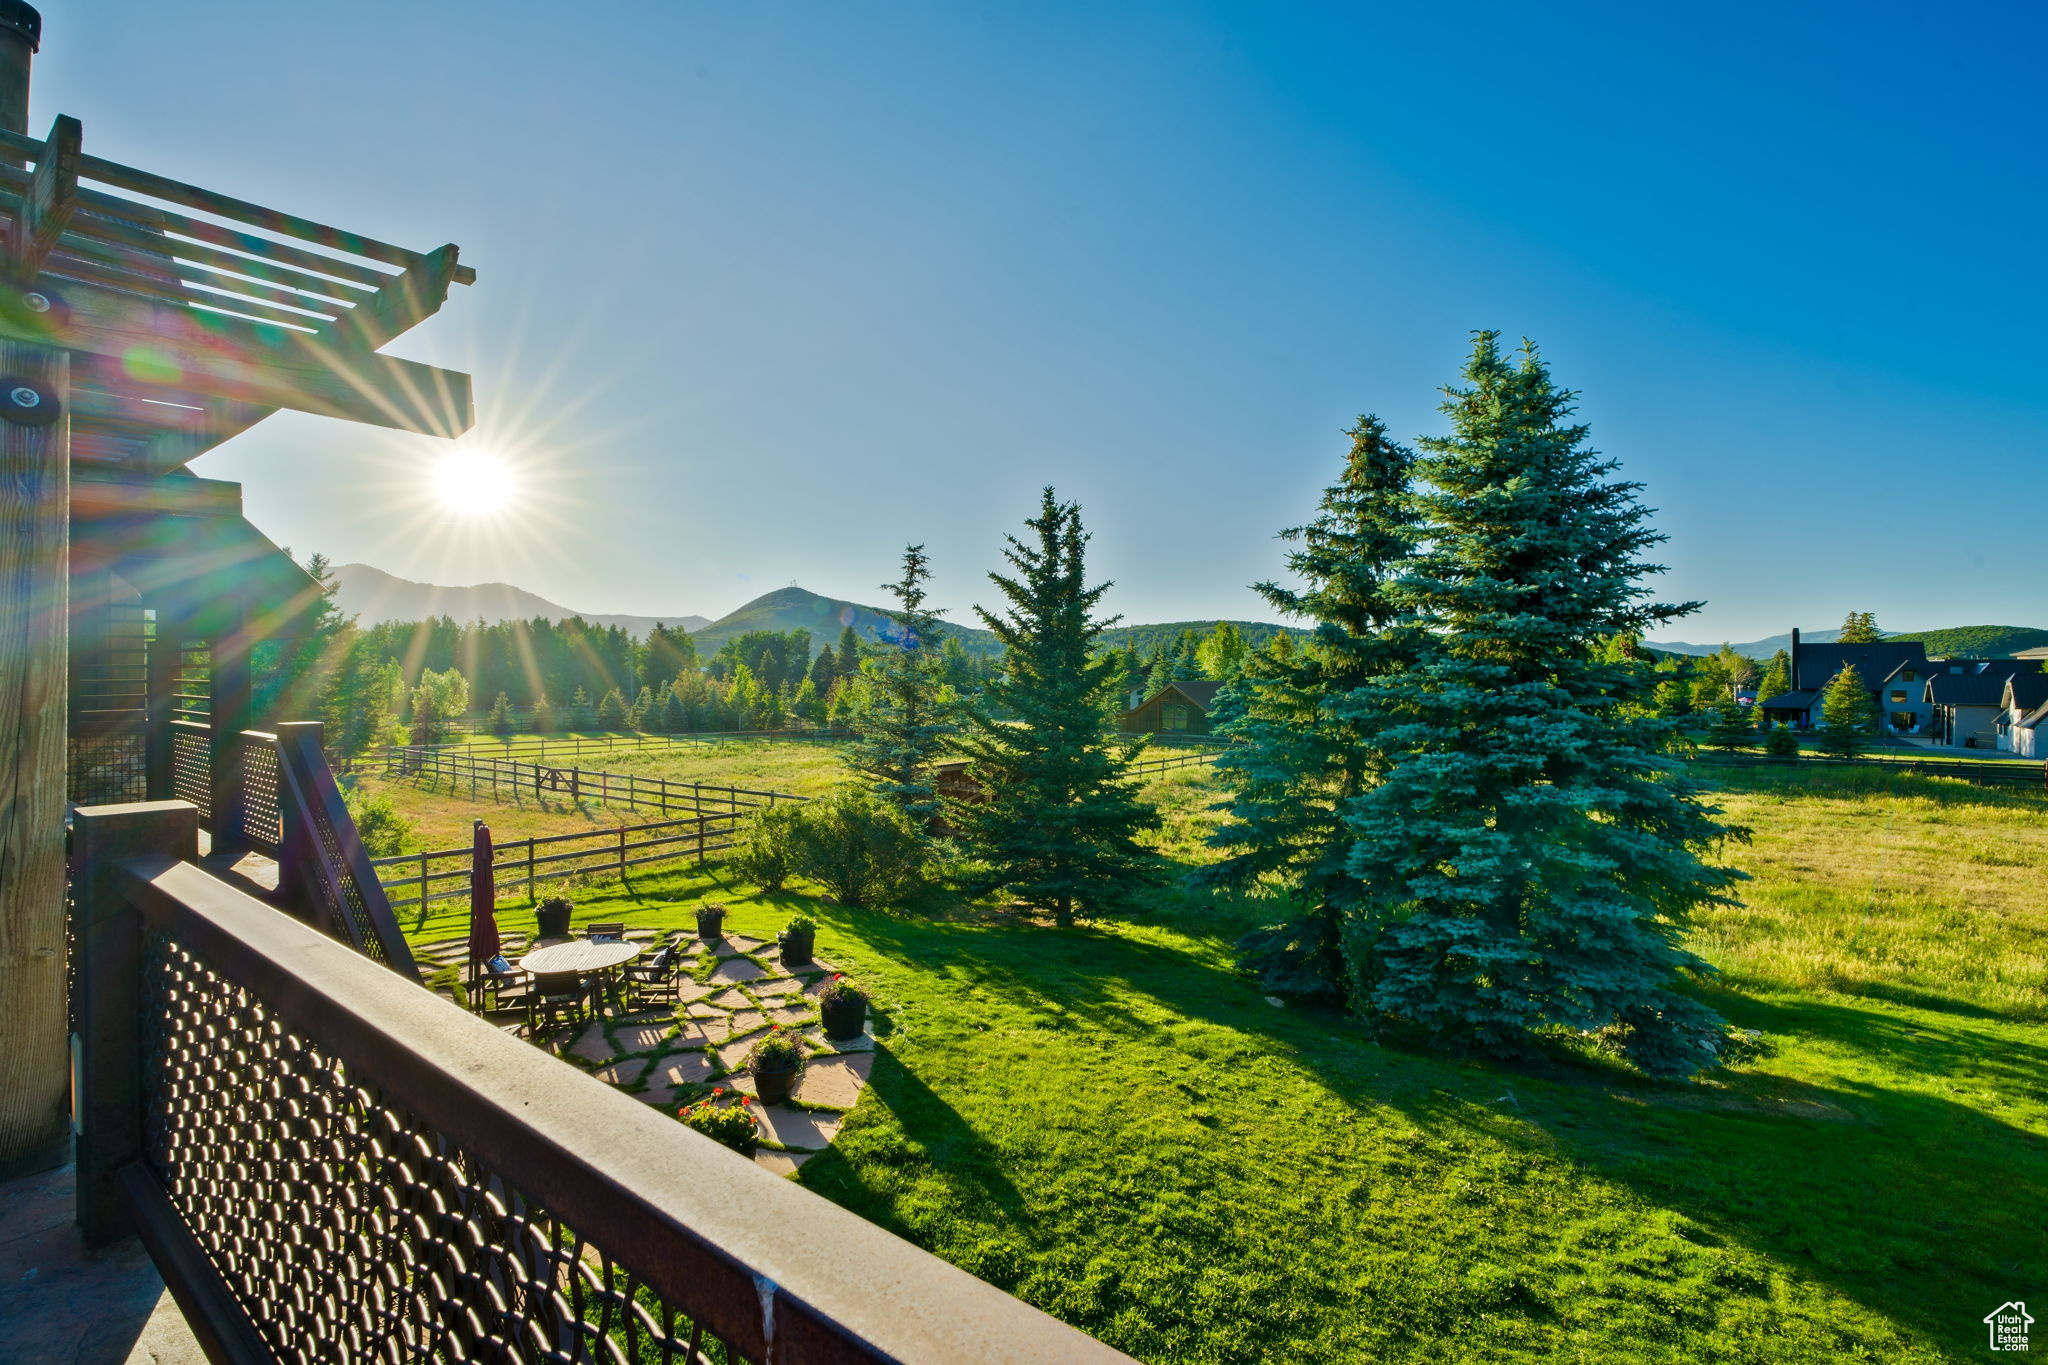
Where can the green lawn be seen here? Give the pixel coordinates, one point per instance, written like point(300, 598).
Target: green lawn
point(1115, 1125)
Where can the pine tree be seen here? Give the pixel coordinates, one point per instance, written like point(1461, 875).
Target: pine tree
point(501, 722)
point(543, 715)
point(824, 671)
point(611, 712)
point(1302, 752)
point(1729, 727)
point(1529, 859)
point(1058, 823)
point(847, 655)
point(643, 715)
point(1780, 742)
point(1847, 721)
point(582, 715)
point(675, 712)
point(904, 726)
point(1860, 628)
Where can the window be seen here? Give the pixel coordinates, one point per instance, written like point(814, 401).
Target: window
point(1898, 696)
point(1907, 676)
point(1904, 720)
point(1173, 717)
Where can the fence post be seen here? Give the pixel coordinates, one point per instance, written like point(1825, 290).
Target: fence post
point(529, 868)
point(423, 881)
point(622, 852)
point(107, 1050)
point(700, 838)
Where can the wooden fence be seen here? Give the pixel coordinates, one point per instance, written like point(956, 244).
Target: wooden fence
point(1146, 766)
point(619, 791)
point(524, 864)
point(2007, 774)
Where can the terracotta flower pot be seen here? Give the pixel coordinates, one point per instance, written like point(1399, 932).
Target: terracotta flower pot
point(844, 1019)
point(796, 946)
point(711, 924)
point(773, 1087)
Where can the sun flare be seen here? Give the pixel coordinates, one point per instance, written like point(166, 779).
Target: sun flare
point(474, 483)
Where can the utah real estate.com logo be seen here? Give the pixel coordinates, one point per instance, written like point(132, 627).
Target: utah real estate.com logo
point(2008, 1323)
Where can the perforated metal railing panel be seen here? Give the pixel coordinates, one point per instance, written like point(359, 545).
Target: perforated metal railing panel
point(262, 801)
point(192, 769)
point(350, 1231)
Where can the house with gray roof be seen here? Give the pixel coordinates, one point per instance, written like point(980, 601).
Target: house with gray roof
point(2023, 722)
point(1968, 698)
point(1892, 669)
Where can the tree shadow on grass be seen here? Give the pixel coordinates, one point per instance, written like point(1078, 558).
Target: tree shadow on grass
point(1907, 1202)
point(856, 1171)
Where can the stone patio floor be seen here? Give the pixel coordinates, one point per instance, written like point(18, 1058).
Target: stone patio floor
point(732, 990)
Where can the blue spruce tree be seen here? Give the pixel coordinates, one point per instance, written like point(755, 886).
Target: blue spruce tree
point(1528, 858)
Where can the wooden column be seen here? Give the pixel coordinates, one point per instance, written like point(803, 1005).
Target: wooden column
point(230, 716)
point(298, 859)
point(35, 602)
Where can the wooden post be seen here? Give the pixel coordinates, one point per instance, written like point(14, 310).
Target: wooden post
point(230, 716)
point(423, 881)
point(35, 605)
point(529, 869)
point(166, 659)
point(296, 860)
point(622, 852)
point(108, 1104)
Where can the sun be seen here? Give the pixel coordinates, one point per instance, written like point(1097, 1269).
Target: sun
point(474, 483)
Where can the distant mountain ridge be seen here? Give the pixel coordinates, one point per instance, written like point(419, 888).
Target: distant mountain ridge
point(1968, 642)
point(1755, 649)
point(373, 596)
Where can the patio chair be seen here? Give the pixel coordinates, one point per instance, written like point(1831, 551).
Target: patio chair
point(605, 933)
point(502, 986)
point(654, 980)
point(558, 999)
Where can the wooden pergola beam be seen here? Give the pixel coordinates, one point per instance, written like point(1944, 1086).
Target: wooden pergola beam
point(190, 351)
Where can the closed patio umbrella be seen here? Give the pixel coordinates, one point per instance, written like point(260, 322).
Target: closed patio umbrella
point(483, 897)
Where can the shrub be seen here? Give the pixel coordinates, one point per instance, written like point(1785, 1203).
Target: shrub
point(801, 924)
point(769, 857)
point(779, 1051)
point(860, 849)
point(1782, 742)
point(384, 832)
point(731, 1124)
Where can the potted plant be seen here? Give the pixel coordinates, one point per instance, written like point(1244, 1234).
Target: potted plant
point(775, 1063)
point(844, 1007)
point(710, 922)
point(551, 920)
point(731, 1124)
point(797, 940)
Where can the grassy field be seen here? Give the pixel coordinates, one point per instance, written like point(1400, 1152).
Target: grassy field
point(1114, 1124)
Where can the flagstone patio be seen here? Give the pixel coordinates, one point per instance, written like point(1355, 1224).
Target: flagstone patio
point(732, 990)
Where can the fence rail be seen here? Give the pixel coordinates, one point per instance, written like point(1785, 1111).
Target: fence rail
point(1146, 766)
point(2011, 774)
point(328, 1162)
point(444, 874)
point(619, 791)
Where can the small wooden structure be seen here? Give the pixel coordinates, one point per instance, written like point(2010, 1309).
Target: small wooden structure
point(143, 321)
point(1177, 708)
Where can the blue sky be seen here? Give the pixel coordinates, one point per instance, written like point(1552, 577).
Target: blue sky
point(768, 290)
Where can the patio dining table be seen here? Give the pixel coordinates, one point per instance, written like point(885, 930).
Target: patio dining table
point(584, 957)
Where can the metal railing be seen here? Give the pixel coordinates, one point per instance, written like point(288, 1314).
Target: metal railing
point(329, 1163)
